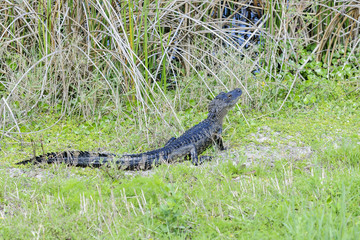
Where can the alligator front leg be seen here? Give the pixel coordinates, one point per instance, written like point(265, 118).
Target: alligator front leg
point(219, 143)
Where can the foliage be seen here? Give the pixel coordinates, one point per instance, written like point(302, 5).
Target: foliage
point(309, 198)
point(324, 23)
point(315, 81)
point(136, 59)
point(112, 75)
point(90, 55)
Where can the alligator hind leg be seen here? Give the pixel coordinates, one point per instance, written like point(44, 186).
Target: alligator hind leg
point(205, 158)
point(195, 159)
point(194, 155)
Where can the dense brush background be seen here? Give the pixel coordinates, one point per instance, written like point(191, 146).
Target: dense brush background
point(135, 58)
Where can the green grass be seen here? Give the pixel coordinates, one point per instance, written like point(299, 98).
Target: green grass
point(312, 198)
point(67, 62)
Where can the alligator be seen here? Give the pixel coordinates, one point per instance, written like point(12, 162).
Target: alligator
point(188, 146)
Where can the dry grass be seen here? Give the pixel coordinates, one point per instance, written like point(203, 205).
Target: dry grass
point(99, 57)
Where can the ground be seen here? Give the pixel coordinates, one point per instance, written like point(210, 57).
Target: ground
point(292, 174)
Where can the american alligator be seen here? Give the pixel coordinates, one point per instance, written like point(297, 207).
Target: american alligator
point(188, 146)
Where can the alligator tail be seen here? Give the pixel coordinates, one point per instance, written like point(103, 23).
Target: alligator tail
point(73, 158)
point(141, 161)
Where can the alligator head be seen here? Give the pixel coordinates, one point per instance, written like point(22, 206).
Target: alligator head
point(222, 103)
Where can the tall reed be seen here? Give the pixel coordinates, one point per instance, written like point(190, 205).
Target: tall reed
point(88, 56)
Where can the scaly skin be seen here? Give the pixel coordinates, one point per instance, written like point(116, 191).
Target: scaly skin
point(188, 146)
